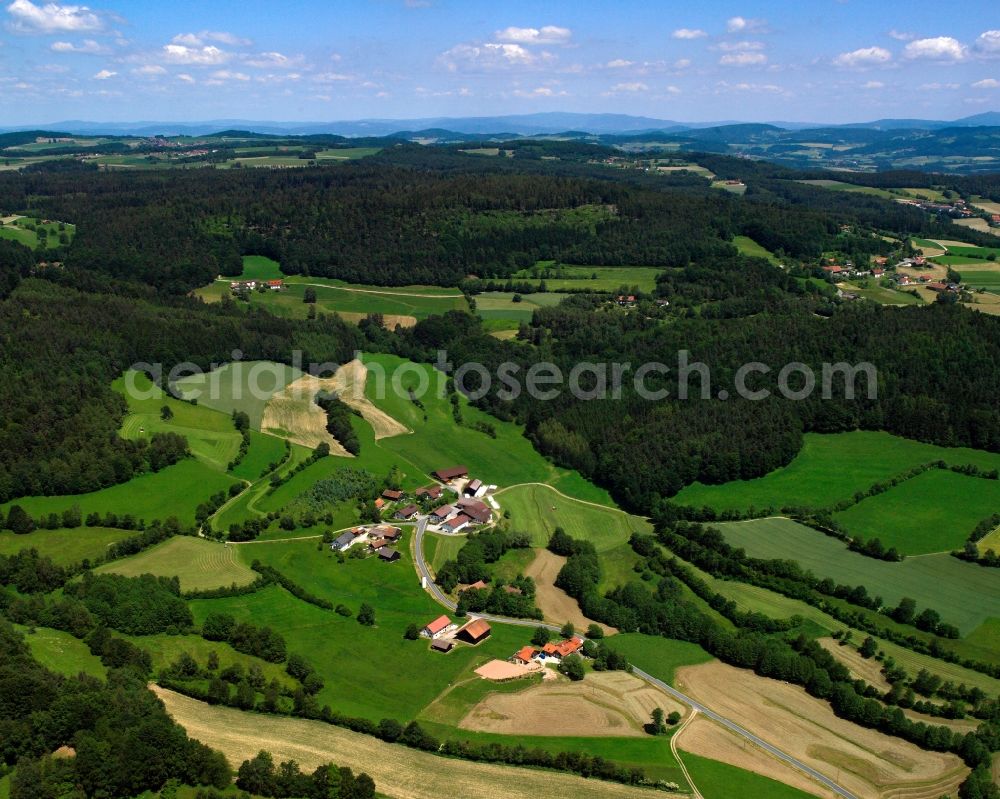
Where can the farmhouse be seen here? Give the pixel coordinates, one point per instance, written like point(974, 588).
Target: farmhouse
point(431, 492)
point(379, 503)
point(524, 655)
point(386, 531)
point(388, 555)
point(391, 495)
point(562, 648)
point(437, 628)
point(407, 513)
point(378, 543)
point(347, 539)
point(477, 511)
point(452, 473)
point(455, 523)
point(440, 514)
point(475, 632)
point(478, 585)
point(276, 285)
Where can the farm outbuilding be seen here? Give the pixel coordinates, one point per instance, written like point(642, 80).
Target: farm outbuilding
point(475, 632)
point(452, 473)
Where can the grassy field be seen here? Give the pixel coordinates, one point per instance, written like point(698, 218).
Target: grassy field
point(748, 246)
point(657, 656)
point(437, 442)
point(244, 386)
point(439, 548)
point(830, 468)
point(717, 780)
point(209, 433)
point(264, 450)
point(352, 301)
point(62, 653)
point(981, 278)
point(538, 510)
point(65, 547)
point(569, 277)
point(492, 305)
point(199, 564)
point(933, 512)
point(174, 491)
point(840, 186)
point(260, 267)
point(19, 231)
point(937, 581)
point(354, 660)
point(346, 153)
point(881, 294)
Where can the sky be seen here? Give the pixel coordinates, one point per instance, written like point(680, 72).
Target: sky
point(323, 60)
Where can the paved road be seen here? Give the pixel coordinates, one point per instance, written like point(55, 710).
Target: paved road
point(443, 599)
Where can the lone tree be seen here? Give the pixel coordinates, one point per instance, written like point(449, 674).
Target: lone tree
point(166, 414)
point(309, 295)
point(656, 725)
point(366, 615)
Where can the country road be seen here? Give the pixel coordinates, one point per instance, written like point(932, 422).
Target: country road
point(443, 599)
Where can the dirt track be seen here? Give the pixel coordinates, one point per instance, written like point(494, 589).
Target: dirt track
point(557, 606)
point(864, 761)
point(610, 703)
point(398, 772)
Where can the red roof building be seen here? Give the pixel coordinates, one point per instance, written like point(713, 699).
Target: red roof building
point(476, 631)
point(524, 655)
point(436, 627)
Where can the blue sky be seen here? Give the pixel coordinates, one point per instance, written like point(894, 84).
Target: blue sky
point(175, 60)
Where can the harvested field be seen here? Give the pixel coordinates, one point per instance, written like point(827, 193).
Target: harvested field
point(867, 669)
point(708, 739)
point(935, 271)
point(199, 564)
point(398, 771)
point(946, 243)
point(611, 703)
point(502, 670)
point(349, 383)
point(292, 414)
point(390, 321)
point(865, 761)
point(932, 252)
point(976, 223)
point(556, 605)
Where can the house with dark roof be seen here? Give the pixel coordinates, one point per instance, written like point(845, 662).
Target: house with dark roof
point(431, 492)
point(474, 488)
point(475, 632)
point(406, 513)
point(392, 495)
point(455, 523)
point(451, 473)
point(343, 541)
point(388, 555)
point(442, 513)
point(475, 509)
point(440, 645)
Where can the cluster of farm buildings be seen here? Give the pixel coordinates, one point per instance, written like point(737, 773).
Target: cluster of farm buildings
point(879, 268)
point(241, 286)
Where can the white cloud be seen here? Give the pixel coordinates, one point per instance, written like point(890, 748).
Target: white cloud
point(873, 84)
point(199, 39)
point(634, 86)
point(987, 83)
point(225, 74)
point(491, 56)
point(763, 88)
point(52, 18)
point(938, 48)
point(902, 36)
point(736, 47)
point(548, 34)
point(743, 59)
point(149, 70)
point(933, 87)
point(185, 78)
point(689, 33)
point(272, 60)
point(682, 63)
point(988, 44)
point(541, 91)
point(619, 63)
point(88, 46)
point(863, 57)
point(104, 74)
point(209, 55)
point(673, 90)
point(332, 77)
point(742, 24)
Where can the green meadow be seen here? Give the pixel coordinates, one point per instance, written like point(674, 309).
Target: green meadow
point(748, 246)
point(174, 491)
point(828, 469)
point(19, 231)
point(979, 279)
point(940, 582)
point(65, 547)
point(716, 780)
point(837, 185)
point(657, 656)
point(933, 512)
point(260, 267)
point(210, 434)
point(369, 671)
point(570, 277)
point(264, 450)
point(440, 548)
point(538, 510)
point(60, 652)
point(242, 385)
point(883, 295)
point(346, 153)
point(497, 305)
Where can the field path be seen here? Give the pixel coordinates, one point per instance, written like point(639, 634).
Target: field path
point(695, 793)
